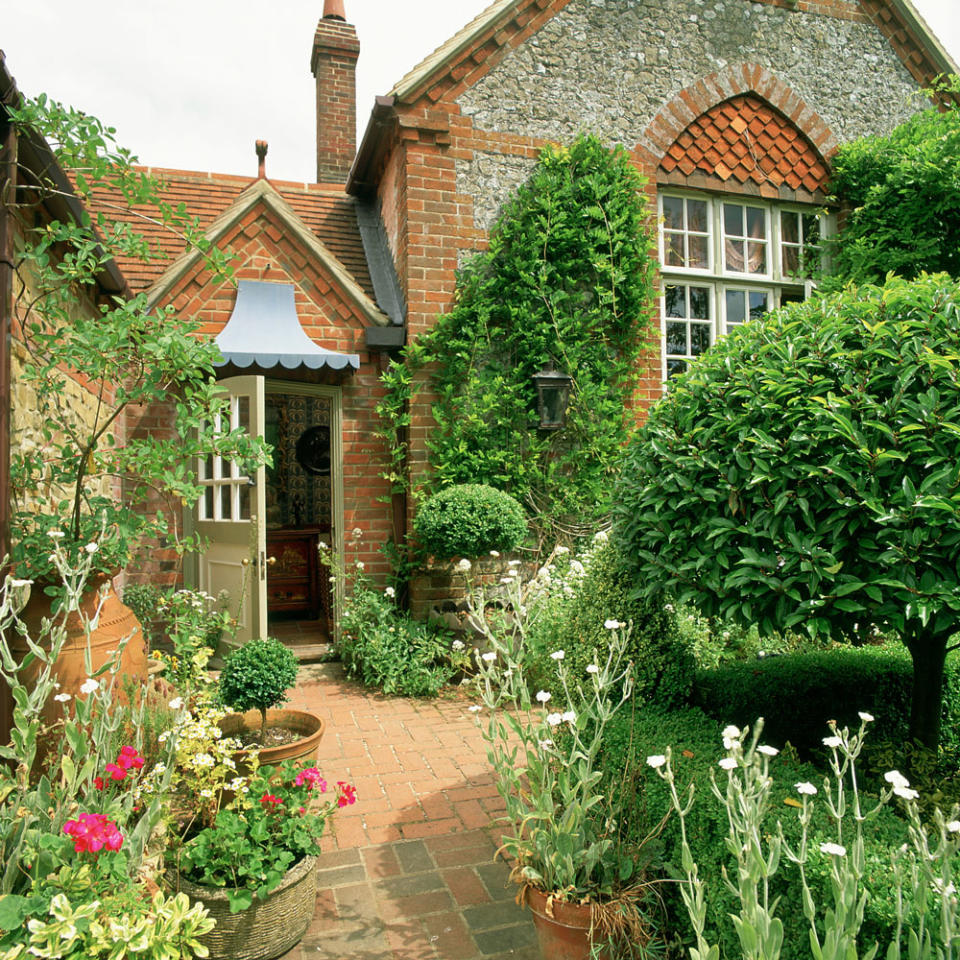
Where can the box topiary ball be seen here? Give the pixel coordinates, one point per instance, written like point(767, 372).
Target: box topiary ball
point(257, 676)
point(470, 520)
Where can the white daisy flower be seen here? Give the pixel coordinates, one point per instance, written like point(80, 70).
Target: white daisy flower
point(833, 849)
point(89, 685)
point(806, 788)
point(656, 760)
point(767, 751)
point(542, 696)
point(556, 655)
point(728, 763)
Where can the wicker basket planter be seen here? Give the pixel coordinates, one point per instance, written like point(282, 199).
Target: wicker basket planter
point(266, 929)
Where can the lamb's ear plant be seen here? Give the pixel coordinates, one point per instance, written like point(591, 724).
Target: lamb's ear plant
point(923, 869)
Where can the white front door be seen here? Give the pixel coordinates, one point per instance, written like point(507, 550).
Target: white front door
point(231, 517)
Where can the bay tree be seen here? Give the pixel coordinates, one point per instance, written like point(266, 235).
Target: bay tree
point(804, 475)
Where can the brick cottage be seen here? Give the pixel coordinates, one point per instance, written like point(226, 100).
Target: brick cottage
point(731, 109)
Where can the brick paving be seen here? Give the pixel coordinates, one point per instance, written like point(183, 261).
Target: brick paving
point(408, 873)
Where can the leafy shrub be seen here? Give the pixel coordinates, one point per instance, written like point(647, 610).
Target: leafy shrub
point(384, 647)
point(643, 799)
point(470, 520)
point(663, 667)
point(257, 676)
point(798, 693)
point(143, 599)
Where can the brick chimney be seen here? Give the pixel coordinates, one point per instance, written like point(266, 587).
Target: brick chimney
point(334, 64)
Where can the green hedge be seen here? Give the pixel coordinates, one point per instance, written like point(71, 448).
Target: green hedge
point(798, 693)
point(470, 520)
point(695, 742)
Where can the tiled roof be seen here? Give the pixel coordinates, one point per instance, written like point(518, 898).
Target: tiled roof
point(743, 139)
point(325, 209)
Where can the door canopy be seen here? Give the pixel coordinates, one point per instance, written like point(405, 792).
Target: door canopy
point(264, 331)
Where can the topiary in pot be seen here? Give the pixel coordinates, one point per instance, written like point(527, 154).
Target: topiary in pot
point(470, 520)
point(257, 676)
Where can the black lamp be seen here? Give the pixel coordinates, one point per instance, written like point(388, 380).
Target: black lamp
point(553, 395)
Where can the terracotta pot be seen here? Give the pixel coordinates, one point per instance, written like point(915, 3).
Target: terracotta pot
point(563, 929)
point(116, 622)
point(303, 750)
point(267, 928)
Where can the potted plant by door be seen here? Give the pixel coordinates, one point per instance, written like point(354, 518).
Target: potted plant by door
point(92, 364)
point(255, 679)
point(584, 886)
point(254, 867)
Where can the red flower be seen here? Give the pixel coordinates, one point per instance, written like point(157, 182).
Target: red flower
point(348, 794)
point(98, 782)
point(130, 758)
point(116, 773)
point(270, 801)
point(311, 777)
point(92, 832)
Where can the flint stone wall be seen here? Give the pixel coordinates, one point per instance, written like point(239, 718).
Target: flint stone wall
point(609, 66)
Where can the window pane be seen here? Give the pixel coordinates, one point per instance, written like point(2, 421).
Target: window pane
point(700, 303)
point(674, 302)
point(675, 367)
point(757, 253)
point(699, 254)
point(811, 228)
point(673, 213)
point(244, 502)
point(206, 504)
point(224, 495)
point(789, 227)
point(697, 215)
point(676, 337)
point(735, 307)
point(673, 249)
point(243, 413)
point(699, 338)
point(791, 261)
point(733, 255)
point(733, 220)
point(758, 304)
point(756, 223)
point(791, 296)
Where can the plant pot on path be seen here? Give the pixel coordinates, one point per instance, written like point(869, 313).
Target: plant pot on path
point(563, 929)
point(308, 727)
point(266, 929)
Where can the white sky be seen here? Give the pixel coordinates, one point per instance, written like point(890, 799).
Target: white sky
point(193, 83)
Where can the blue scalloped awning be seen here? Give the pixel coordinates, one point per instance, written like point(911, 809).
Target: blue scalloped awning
point(264, 331)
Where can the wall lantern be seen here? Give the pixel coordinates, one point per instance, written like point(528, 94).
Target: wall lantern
point(553, 395)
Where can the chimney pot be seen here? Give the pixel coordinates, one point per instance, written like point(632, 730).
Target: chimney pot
point(334, 10)
point(261, 148)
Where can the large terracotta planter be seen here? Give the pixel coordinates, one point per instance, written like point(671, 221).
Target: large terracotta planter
point(303, 750)
point(116, 621)
point(266, 929)
point(563, 929)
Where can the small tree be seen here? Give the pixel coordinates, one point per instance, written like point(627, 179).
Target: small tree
point(804, 474)
point(257, 677)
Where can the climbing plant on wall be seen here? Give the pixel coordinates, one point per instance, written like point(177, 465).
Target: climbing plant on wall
point(566, 282)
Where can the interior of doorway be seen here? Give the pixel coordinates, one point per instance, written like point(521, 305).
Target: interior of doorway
point(299, 512)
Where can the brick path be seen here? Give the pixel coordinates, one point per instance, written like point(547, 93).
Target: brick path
point(408, 873)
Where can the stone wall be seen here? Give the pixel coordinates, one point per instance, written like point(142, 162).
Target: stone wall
point(610, 66)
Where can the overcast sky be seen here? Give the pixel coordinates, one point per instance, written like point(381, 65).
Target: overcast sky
point(193, 83)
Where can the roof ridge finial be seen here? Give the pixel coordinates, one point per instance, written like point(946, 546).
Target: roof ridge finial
point(261, 147)
point(334, 10)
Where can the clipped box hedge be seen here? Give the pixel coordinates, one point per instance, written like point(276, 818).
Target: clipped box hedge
point(798, 693)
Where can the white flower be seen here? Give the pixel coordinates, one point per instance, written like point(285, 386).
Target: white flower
point(556, 655)
point(62, 697)
point(767, 751)
point(390, 592)
point(207, 794)
point(806, 788)
point(475, 708)
point(464, 565)
point(506, 580)
point(668, 607)
point(19, 583)
point(569, 716)
point(657, 760)
point(489, 657)
point(728, 763)
point(544, 744)
point(592, 668)
point(561, 550)
point(89, 685)
point(360, 565)
point(554, 719)
point(542, 696)
point(202, 760)
point(56, 534)
point(896, 779)
point(834, 849)
point(953, 826)
point(865, 717)
point(494, 553)
point(906, 793)
point(730, 732)
point(729, 744)
point(322, 545)
point(612, 624)
point(92, 548)
point(357, 533)
point(514, 563)
point(601, 537)
point(228, 762)
point(176, 703)
point(457, 644)
point(832, 742)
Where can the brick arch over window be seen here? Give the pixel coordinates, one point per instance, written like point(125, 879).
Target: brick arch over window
point(710, 108)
